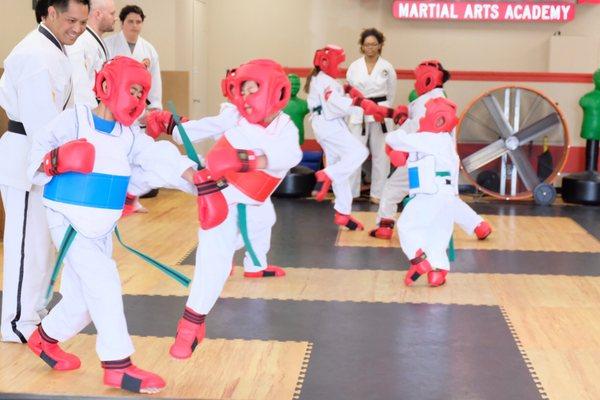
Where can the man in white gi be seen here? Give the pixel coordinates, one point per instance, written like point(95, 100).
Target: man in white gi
point(35, 87)
point(129, 43)
point(89, 53)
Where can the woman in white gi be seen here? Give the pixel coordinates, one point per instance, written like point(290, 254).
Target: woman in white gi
point(84, 158)
point(425, 225)
point(375, 78)
point(430, 78)
point(242, 170)
point(35, 88)
point(344, 153)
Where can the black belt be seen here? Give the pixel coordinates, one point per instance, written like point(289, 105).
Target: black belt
point(317, 109)
point(378, 99)
point(16, 127)
point(383, 126)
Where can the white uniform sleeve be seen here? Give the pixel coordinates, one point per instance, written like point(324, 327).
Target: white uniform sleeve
point(161, 163)
point(391, 85)
point(60, 130)
point(155, 95)
point(337, 104)
point(36, 105)
point(210, 126)
point(426, 143)
point(283, 153)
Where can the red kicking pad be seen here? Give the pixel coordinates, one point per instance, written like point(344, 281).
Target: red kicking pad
point(124, 375)
point(48, 350)
point(191, 330)
point(384, 230)
point(437, 277)
point(348, 221)
point(272, 271)
point(418, 266)
point(322, 186)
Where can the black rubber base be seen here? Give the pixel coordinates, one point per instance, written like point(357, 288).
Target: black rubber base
point(150, 194)
point(582, 188)
point(299, 182)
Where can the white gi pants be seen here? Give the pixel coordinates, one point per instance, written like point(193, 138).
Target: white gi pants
point(344, 155)
point(380, 163)
point(216, 246)
point(91, 292)
point(426, 224)
point(28, 260)
point(464, 216)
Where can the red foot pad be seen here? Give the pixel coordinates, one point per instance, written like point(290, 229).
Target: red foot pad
point(348, 221)
point(270, 271)
point(418, 266)
point(48, 350)
point(129, 207)
point(437, 277)
point(123, 374)
point(189, 335)
point(322, 187)
point(384, 230)
point(483, 230)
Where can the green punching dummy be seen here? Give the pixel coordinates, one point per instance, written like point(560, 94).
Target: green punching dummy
point(584, 187)
point(297, 108)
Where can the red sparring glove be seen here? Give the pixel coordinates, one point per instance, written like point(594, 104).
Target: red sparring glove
point(371, 108)
point(397, 158)
point(212, 206)
point(74, 156)
point(158, 121)
point(400, 114)
point(352, 91)
point(227, 159)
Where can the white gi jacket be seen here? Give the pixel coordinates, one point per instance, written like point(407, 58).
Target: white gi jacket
point(380, 83)
point(143, 50)
point(87, 55)
point(160, 164)
point(35, 88)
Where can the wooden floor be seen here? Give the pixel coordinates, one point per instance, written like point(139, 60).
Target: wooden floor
point(554, 320)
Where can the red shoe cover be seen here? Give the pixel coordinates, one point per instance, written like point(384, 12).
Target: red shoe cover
point(483, 230)
point(270, 271)
point(133, 379)
point(348, 221)
point(322, 187)
point(437, 277)
point(189, 335)
point(384, 230)
point(418, 266)
point(52, 354)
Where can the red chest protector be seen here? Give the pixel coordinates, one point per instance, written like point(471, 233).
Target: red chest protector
point(257, 184)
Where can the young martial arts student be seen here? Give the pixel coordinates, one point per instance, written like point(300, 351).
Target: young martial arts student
point(425, 225)
point(376, 78)
point(84, 159)
point(344, 153)
point(242, 169)
point(430, 78)
point(260, 220)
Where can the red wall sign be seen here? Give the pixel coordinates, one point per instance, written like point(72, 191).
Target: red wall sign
point(520, 11)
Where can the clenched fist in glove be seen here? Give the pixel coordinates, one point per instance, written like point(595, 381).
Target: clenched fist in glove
point(221, 160)
point(212, 206)
point(74, 156)
point(352, 91)
point(371, 108)
point(400, 114)
point(397, 158)
point(158, 121)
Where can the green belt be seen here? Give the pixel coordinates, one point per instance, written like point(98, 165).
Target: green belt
point(442, 173)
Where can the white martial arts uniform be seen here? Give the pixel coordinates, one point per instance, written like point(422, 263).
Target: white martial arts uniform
point(143, 51)
point(379, 85)
point(260, 219)
point(344, 153)
point(90, 284)
point(87, 55)
point(35, 87)
point(425, 224)
point(396, 186)
point(216, 246)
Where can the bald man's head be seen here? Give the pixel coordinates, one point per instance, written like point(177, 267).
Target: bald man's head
point(103, 16)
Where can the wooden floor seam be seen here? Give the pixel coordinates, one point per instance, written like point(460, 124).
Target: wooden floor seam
point(303, 370)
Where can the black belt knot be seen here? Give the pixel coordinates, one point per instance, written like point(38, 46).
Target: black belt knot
point(16, 127)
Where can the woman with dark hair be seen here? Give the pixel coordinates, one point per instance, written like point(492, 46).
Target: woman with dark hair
point(376, 79)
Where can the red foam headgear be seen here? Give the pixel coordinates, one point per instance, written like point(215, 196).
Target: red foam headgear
point(273, 89)
point(429, 75)
point(440, 116)
point(120, 74)
point(329, 58)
